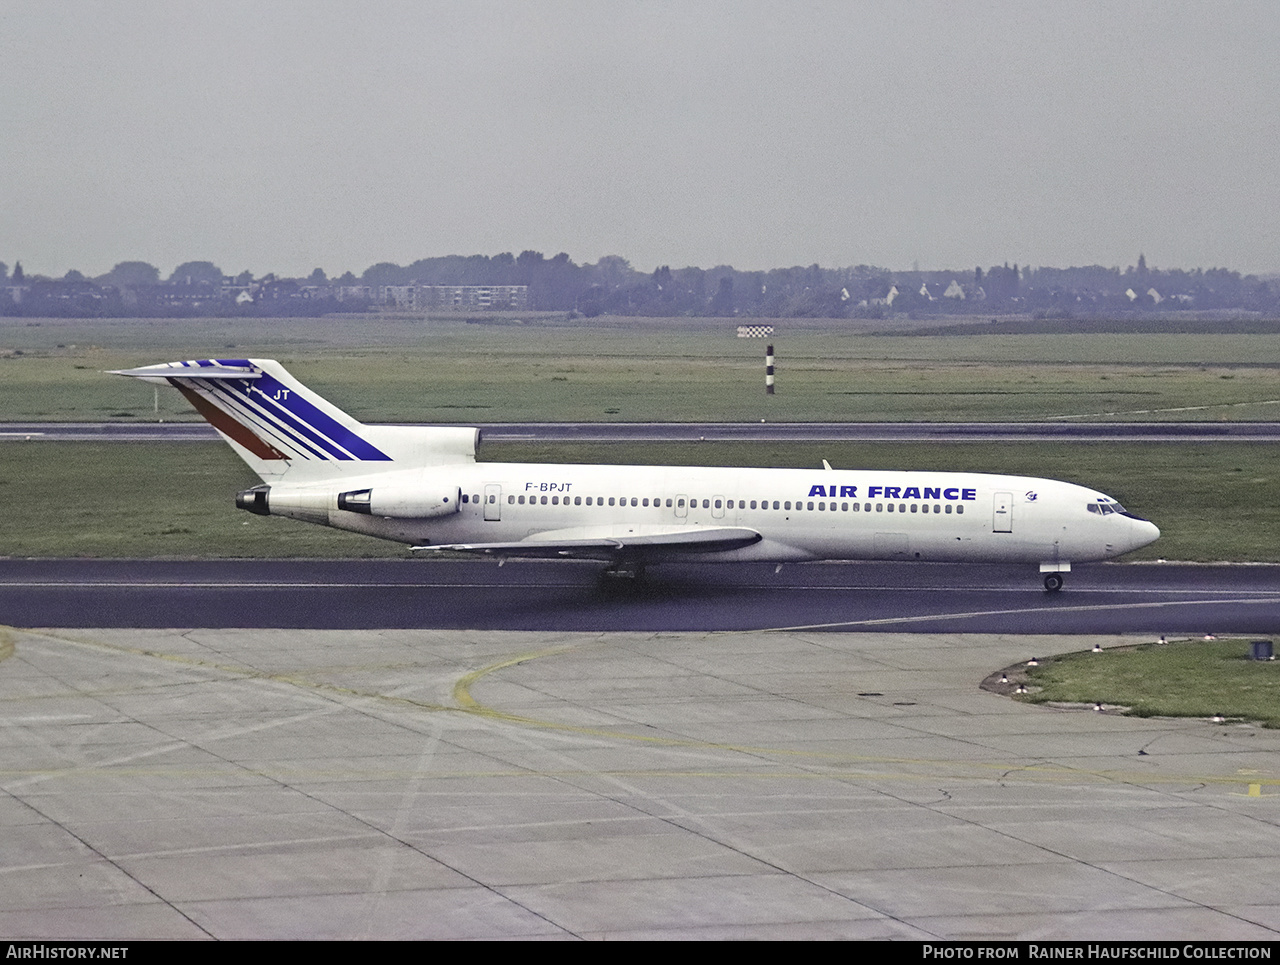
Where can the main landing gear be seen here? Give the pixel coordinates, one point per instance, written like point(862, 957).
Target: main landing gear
point(631, 572)
point(1053, 582)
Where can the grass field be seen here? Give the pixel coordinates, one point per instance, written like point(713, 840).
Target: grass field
point(1212, 502)
point(448, 371)
point(1182, 679)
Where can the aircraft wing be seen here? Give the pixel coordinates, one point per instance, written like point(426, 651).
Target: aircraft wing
point(623, 542)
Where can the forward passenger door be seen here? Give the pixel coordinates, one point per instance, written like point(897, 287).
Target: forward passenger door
point(1002, 513)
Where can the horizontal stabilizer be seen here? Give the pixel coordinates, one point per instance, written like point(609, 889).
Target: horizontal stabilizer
point(206, 369)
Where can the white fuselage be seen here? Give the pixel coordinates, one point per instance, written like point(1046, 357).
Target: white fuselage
point(800, 514)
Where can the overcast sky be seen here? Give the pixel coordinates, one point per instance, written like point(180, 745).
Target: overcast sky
point(280, 136)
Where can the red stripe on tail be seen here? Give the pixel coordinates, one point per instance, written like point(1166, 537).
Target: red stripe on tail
point(229, 427)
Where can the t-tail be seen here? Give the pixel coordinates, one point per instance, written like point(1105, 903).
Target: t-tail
point(281, 428)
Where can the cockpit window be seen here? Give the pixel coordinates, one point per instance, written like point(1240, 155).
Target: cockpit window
point(1105, 509)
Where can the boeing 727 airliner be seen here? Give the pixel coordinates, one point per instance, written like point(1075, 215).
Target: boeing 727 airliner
point(421, 485)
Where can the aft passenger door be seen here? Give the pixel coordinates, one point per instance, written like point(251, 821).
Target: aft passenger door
point(493, 501)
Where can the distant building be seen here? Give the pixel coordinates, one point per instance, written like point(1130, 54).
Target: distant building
point(457, 298)
point(401, 296)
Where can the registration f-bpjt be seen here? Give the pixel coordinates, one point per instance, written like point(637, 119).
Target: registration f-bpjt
point(421, 485)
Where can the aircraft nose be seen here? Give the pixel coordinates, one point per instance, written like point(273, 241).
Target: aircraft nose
point(1145, 532)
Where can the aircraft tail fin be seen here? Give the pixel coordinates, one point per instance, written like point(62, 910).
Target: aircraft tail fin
point(277, 425)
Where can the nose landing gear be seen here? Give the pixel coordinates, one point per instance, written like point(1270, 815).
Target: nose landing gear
point(1052, 582)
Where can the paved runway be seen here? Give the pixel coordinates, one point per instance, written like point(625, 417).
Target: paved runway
point(569, 596)
point(482, 784)
point(1124, 432)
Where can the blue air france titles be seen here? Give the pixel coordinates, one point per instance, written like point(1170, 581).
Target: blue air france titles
point(895, 492)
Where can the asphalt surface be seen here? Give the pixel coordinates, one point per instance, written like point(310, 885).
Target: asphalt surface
point(1123, 432)
point(1150, 598)
point(321, 784)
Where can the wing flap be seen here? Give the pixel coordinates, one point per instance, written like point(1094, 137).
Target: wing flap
point(618, 543)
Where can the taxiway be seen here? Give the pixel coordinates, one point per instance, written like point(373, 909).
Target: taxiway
point(935, 432)
point(570, 596)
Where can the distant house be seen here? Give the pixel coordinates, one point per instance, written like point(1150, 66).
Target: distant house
point(954, 290)
point(887, 299)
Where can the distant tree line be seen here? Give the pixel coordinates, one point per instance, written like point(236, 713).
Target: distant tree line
point(612, 286)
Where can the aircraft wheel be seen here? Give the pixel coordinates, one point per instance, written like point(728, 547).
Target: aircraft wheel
point(629, 572)
point(1053, 582)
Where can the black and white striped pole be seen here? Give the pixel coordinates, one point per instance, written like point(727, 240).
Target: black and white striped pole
point(768, 370)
